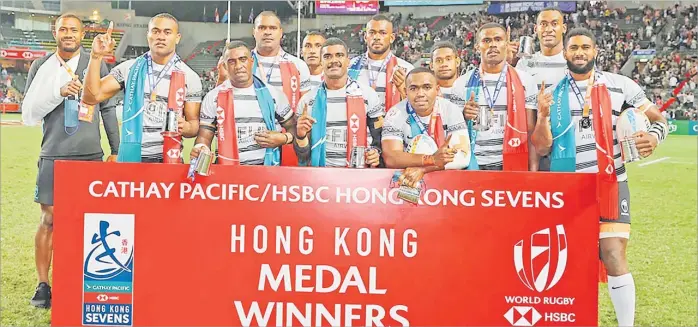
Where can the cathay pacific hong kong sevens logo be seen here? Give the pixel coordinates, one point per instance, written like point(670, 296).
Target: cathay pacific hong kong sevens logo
point(111, 253)
point(541, 262)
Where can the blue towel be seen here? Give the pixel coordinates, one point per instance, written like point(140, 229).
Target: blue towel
point(564, 148)
point(355, 68)
point(272, 157)
point(132, 132)
point(318, 134)
point(473, 86)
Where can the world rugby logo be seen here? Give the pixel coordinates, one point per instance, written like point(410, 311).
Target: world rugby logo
point(541, 262)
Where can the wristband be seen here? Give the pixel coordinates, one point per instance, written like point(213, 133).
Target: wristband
point(302, 138)
point(289, 139)
point(659, 130)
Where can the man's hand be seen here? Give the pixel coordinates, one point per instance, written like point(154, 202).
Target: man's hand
point(103, 44)
point(304, 123)
point(411, 176)
point(111, 158)
point(181, 122)
point(445, 154)
point(545, 100)
point(646, 143)
point(197, 149)
point(513, 49)
point(372, 158)
point(71, 88)
point(399, 77)
point(270, 139)
point(471, 108)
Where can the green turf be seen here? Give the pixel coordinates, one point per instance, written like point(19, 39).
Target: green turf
point(662, 252)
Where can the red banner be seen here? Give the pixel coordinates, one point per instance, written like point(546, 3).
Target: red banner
point(26, 54)
point(138, 244)
point(346, 7)
point(21, 54)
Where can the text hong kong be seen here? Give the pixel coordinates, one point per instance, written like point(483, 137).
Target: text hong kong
point(323, 194)
point(321, 278)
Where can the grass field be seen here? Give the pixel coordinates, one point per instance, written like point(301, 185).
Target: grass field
point(662, 253)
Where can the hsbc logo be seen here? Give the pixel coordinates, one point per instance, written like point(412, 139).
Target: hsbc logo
point(609, 169)
point(354, 123)
point(180, 97)
point(294, 83)
point(173, 153)
point(541, 262)
point(27, 55)
point(3, 53)
point(514, 142)
point(102, 298)
point(522, 316)
point(220, 118)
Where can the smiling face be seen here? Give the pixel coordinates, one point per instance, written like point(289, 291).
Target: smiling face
point(421, 91)
point(335, 61)
point(492, 45)
point(550, 28)
point(163, 36)
point(68, 34)
point(267, 33)
point(312, 45)
point(580, 54)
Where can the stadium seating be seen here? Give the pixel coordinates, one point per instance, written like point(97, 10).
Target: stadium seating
point(43, 40)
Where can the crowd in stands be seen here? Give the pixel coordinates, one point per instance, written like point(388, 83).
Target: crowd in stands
point(682, 34)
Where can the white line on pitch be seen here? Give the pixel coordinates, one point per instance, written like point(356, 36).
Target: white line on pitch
point(652, 162)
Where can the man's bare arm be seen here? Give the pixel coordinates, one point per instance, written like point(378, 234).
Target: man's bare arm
point(96, 88)
point(395, 156)
point(191, 114)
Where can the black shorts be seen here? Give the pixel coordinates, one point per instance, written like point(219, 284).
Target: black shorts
point(43, 192)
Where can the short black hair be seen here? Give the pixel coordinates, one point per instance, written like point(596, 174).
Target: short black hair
point(579, 31)
point(335, 41)
point(551, 9)
point(314, 33)
point(69, 15)
point(381, 17)
point(167, 16)
point(444, 45)
point(266, 13)
point(488, 26)
point(419, 70)
point(234, 44)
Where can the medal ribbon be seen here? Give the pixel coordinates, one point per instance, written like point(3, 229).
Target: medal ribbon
point(371, 77)
point(585, 101)
point(497, 89)
point(261, 67)
point(151, 78)
point(422, 126)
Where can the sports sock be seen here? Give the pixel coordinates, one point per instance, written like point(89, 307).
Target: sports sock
point(622, 291)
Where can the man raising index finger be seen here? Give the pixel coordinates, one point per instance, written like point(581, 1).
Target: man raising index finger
point(146, 83)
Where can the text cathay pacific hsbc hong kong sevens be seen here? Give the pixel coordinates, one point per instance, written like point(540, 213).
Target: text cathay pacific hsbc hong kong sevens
point(298, 278)
point(323, 194)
